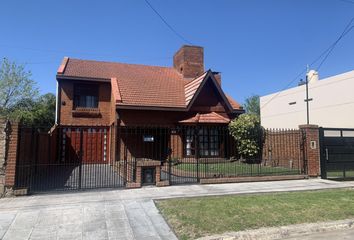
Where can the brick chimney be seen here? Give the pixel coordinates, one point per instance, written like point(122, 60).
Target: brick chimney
point(189, 61)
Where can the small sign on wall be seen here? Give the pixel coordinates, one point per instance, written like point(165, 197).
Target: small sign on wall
point(148, 138)
point(313, 144)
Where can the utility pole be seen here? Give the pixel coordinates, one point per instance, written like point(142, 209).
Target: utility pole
point(307, 100)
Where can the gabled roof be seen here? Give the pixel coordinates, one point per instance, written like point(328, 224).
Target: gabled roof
point(141, 86)
point(206, 118)
point(191, 87)
point(195, 87)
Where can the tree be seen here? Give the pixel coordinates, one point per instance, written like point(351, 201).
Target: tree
point(251, 105)
point(39, 112)
point(15, 86)
point(249, 135)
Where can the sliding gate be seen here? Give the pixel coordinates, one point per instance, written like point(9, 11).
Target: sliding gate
point(69, 158)
point(337, 153)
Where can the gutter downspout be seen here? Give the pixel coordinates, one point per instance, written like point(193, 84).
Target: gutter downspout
point(56, 103)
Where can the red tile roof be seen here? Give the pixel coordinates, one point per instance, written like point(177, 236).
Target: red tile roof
point(191, 87)
point(138, 85)
point(233, 103)
point(206, 118)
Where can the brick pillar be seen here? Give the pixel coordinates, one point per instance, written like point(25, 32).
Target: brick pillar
point(3, 136)
point(11, 158)
point(312, 149)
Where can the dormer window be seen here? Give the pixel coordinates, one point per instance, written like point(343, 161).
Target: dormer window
point(86, 96)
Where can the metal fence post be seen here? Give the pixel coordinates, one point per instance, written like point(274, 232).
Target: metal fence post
point(304, 151)
point(34, 154)
point(197, 150)
point(80, 156)
point(323, 155)
point(169, 156)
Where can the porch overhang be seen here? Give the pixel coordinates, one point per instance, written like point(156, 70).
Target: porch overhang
point(211, 117)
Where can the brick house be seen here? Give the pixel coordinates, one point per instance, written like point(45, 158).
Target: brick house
point(105, 96)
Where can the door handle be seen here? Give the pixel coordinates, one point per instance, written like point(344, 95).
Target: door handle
point(326, 154)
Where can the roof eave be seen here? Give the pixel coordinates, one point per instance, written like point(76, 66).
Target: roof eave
point(158, 108)
point(240, 111)
point(61, 76)
point(63, 65)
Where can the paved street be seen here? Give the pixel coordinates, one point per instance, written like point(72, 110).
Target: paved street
point(117, 214)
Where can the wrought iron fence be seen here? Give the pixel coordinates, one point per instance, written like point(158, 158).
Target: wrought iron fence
point(191, 153)
point(71, 157)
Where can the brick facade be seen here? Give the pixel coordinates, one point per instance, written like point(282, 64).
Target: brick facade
point(94, 117)
point(134, 173)
point(189, 61)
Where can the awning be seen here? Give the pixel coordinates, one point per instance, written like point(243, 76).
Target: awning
point(211, 117)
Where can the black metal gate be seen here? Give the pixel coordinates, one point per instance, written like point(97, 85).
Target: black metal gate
point(337, 153)
point(70, 158)
point(205, 152)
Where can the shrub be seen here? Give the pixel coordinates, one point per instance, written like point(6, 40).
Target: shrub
point(249, 135)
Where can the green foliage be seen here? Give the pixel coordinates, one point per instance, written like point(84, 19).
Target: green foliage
point(39, 112)
point(19, 97)
point(15, 85)
point(248, 133)
point(251, 105)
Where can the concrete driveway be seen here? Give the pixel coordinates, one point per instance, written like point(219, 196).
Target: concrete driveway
point(118, 214)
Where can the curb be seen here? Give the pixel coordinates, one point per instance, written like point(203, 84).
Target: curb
point(285, 231)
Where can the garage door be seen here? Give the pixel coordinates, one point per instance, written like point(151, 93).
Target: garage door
point(337, 153)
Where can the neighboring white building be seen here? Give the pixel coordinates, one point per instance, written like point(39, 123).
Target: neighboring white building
point(332, 103)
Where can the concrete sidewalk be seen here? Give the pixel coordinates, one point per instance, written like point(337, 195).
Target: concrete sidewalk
point(333, 235)
point(118, 214)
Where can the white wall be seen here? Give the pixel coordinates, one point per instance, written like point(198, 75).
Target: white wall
point(332, 104)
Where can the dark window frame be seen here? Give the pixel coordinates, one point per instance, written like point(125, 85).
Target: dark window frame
point(92, 92)
point(209, 142)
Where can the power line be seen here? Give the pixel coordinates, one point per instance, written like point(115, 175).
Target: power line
point(52, 51)
point(39, 63)
point(80, 53)
point(347, 1)
point(167, 24)
point(326, 53)
point(66, 53)
point(330, 51)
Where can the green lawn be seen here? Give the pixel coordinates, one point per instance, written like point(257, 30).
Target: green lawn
point(236, 169)
point(196, 217)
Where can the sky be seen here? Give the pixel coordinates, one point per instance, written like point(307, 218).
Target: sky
point(259, 46)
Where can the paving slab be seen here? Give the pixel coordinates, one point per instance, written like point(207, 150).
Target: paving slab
point(118, 214)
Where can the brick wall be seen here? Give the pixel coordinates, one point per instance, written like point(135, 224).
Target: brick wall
point(10, 170)
point(70, 117)
point(283, 148)
point(2, 155)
